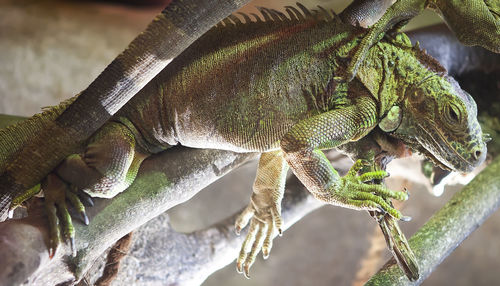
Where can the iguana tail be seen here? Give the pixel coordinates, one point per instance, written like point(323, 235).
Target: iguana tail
point(14, 137)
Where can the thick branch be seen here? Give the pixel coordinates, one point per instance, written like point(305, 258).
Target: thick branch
point(164, 181)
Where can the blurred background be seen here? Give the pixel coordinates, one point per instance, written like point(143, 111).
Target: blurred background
point(51, 50)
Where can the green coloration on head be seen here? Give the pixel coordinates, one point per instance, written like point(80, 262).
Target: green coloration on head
point(439, 118)
point(444, 123)
point(436, 116)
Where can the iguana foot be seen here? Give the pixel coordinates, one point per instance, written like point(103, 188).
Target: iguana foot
point(56, 192)
point(353, 192)
point(108, 166)
point(264, 221)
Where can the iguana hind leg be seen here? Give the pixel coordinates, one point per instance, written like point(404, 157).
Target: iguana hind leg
point(264, 210)
point(108, 166)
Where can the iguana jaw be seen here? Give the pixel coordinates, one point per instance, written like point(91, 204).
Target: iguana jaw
point(432, 144)
point(413, 145)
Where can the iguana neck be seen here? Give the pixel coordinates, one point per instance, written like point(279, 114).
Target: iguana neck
point(390, 70)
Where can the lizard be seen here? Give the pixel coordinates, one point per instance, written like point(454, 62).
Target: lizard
point(148, 54)
point(282, 99)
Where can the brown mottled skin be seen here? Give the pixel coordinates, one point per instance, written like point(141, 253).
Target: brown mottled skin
point(273, 87)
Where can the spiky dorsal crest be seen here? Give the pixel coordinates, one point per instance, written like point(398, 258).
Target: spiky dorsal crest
point(293, 15)
point(430, 62)
point(421, 54)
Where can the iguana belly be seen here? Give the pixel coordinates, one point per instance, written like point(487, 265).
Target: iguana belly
point(210, 118)
point(236, 122)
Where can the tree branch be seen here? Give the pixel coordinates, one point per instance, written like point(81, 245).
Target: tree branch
point(164, 180)
point(464, 213)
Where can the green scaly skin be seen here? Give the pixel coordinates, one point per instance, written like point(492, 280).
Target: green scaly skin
point(474, 22)
point(275, 87)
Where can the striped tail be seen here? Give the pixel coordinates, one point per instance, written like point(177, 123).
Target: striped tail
point(15, 137)
point(4, 206)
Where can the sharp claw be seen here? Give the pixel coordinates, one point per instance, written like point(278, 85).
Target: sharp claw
point(407, 192)
point(52, 252)
point(405, 218)
point(54, 245)
point(280, 232)
point(381, 209)
point(265, 253)
point(73, 247)
point(247, 272)
point(84, 217)
point(86, 199)
point(237, 230)
point(239, 268)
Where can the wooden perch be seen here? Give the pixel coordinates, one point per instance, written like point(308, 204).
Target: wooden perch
point(164, 180)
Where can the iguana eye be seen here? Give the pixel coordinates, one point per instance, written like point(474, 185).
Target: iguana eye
point(452, 114)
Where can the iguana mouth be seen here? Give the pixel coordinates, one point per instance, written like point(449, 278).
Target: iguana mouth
point(431, 157)
point(415, 146)
point(436, 161)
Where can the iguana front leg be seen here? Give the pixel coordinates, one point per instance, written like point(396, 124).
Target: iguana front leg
point(474, 22)
point(302, 148)
point(264, 210)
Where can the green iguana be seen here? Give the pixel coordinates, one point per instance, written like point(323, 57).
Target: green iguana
point(271, 86)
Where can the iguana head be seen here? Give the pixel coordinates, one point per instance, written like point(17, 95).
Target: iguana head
point(439, 119)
